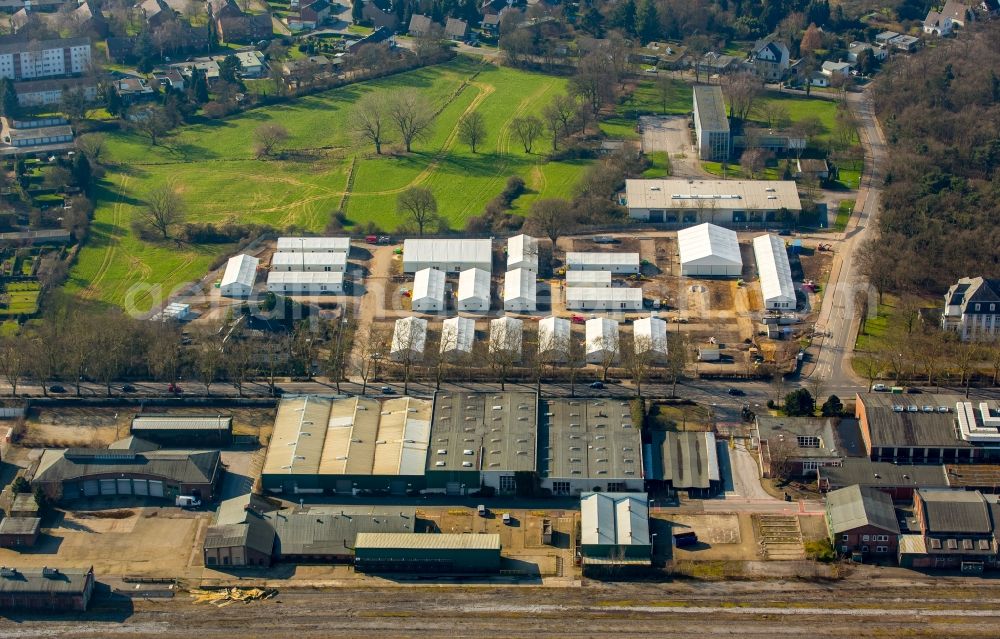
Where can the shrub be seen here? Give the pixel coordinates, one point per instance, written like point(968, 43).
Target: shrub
point(820, 550)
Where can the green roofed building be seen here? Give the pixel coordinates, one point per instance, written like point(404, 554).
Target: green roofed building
point(427, 553)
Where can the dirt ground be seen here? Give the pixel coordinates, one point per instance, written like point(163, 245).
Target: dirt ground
point(722, 537)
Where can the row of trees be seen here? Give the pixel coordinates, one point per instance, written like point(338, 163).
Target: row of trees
point(379, 116)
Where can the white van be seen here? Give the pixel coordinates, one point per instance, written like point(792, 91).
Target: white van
point(187, 501)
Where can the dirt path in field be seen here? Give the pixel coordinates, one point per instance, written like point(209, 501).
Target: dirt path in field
point(93, 287)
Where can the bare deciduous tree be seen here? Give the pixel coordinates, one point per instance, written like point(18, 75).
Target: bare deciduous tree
point(369, 119)
point(678, 353)
point(374, 347)
point(551, 217)
point(472, 129)
point(408, 347)
point(164, 208)
point(13, 360)
point(527, 129)
point(417, 203)
point(267, 137)
point(742, 91)
point(412, 115)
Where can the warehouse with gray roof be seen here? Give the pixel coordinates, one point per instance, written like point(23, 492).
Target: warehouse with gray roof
point(686, 461)
point(51, 589)
point(614, 529)
point(427, 553)
point(711, 125)
point(185, 430)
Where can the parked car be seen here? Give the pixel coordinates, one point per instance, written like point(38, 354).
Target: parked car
point(482, 510)
point(387, 390)
point(579, 319)
point(597, 385)
point(735, 392)
point(371, 239)
point(913, 391)
point(880, 388)
point(605, 239)
point(128, 388)
point(384, 239)
point(56, 388)
point(784, 232)
point(174, 388)
point(506, 519)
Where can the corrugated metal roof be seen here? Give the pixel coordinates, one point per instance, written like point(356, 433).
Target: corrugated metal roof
point(709, 244)
point(506, 334)
point(856, 506)
point(428, 286)
point(519, 284)
point(955, 511)
point(300, 261)
point(589, 438)
point(474, 283)
point(889, 428)
point(493, 432)
point(280, 278)
point(458, 335)
point(182, 422)
point(614, 519)
point(773, 269)
point(428, 541)
point(314, 244)
point(687, 460)
point(240, 269)
point(613, 295)
point(189, 467)
point(63, 581)
point(332, 530)
point(522, 252)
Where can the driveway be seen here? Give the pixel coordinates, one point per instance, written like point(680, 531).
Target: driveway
point(672, 135)
point(740, 474)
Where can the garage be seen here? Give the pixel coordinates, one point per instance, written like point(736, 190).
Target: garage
point(108, 487)
point(155, 488)
point(344, 486)
point(91, 488)
point(140, 487)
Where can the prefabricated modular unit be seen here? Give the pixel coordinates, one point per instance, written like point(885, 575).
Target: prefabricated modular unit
point(649, 338)
point(554, 335)
point(305, 283)
point(522, 252)
point(602, 343)
point(474, 291)
point(520, 291)
point(451, 256)
point(506, 335)
point(708, 250)
point(612, 262)
point(314, 244)
point(240, 275)
point(589, 279)
point(428, 291)
point(775, 273)
point(457, 337)
point(581, 298)
point(309, 262)
point(408, 339)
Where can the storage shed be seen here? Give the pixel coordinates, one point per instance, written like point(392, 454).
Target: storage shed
point(308, 261)
point(52, 589)
point(408, 339)
point(589, 279)
point(427, 553)
point(240, 275)
point(522, 252)
point(314, 244)
point(594, 261)
point(185, 430)
point(602, 341)
point(519, 291)
point(452, 256)
point(457, 337)
point(474, 291)
point(582, 298)
point(614, 529)
point(554, 334)
point(305, 283)
point(19, 532)
point(428, 291)
point(775, 273)
point(649, 338)
point(708, 250)
point(506, 334)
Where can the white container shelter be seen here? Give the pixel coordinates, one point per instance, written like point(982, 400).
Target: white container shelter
point(602, 341)
point(520, 291)
point(554, 335)
point(589, 279)
point(314, 244)
point(240, 275)
point(453, 255)
point(612, 262)
point(649, 338)
point(474, 290)
point(457, 337)
point(303, 283)
point(408, 340)
point(708, 250)
point(308, 261)
point(507, 334)
point(522, 252)
point(582, 298)
point(775, 273)
point(428, 291)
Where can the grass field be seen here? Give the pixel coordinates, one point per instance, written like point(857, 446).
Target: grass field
point(800, 107)
point(213, 164)
point(646, 100)
point(843, 215)
point(23, 299)
point(733, 171)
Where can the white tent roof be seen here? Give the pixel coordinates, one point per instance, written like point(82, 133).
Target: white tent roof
point(458, 334)
point(519, 283)
point(650, 333)
point(592, 258)
point(317, 244)
point(439, 251)
point(428, 283)
point(337, 260)
point(773, 268)
point(709, 244)
point(602, 334)
point(588, 278)
point(576, 294)
point(333, 278)
point(409, 333)
point(241, 269)
point(553, 332)
point(522, 248)
point(506, 332)
point(474, 283)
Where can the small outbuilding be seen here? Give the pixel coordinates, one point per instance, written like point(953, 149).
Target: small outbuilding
point(408, 339)
point(24, 505)
point(649, 338)
point(554, 334)
point(19, 532)
point(185, 431)
point(519, 291)
point(506, 335)
point(602, 341)
point(457, 337)
point(522, 252)
point(474, 291)
point(582, 298)
point(775, 273)
point(427, 553)
point(239, 277)
point(708, 250)
point(305, 283)
point(596, 261)
point(428, 291)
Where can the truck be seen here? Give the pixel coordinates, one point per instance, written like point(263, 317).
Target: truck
point(187, 501)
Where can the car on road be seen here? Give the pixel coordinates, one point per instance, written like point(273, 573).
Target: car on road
point(128, 388)
point(387, 390)
point(56, 388)
point(735, 392)
point(880, 388)
point(913, 391)
point(597, 385)
point(606, 239)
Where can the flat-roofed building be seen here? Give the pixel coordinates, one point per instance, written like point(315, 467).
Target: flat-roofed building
point(457, 337)
point(185, 430)
point(239, 277)
point(603, 344)
point(682, 201)
point(795, 446)
point(506, 336)
point(409, 337)
point(451, 255)
point(896, 428)
point(520, 291)
point(309, 261)
point(711, 125)
point(588, 443)
point(474, 291)
point(649, 338)
point(582, 298)
point(589, 279)
point(897, 480)
point(708, 250)
point(554, 335)
point(614, 529)
point(342, 445)
point(51, 589)
point(427, 553)
point(428, 291)
point(522, 252)
point(483, 439)
point(621, 263)
point(774, 272)
point(686, 461)
point(314, 244)
point(306, 283)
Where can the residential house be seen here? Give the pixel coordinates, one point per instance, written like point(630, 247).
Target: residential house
point(234, 25)
point(954, 529)
point(861, 519)
point(380, 17)
point(795, 446)
point(905, 43)
point(811, 169)
point(972, 309)
point(420, 25)
point(943, 22)
point(456, 29)
point(90, 20)
point(378, 36)
point(884, 39)
point(770, 60)
point(855, 49)
point(836, 70)
point(155, 12)
point(310, 15)
point(22, 59)
point(170, 80)
point(714, 63)
point(251, 64)
point(50, 91)
point(491, 24)
point(133, 90)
